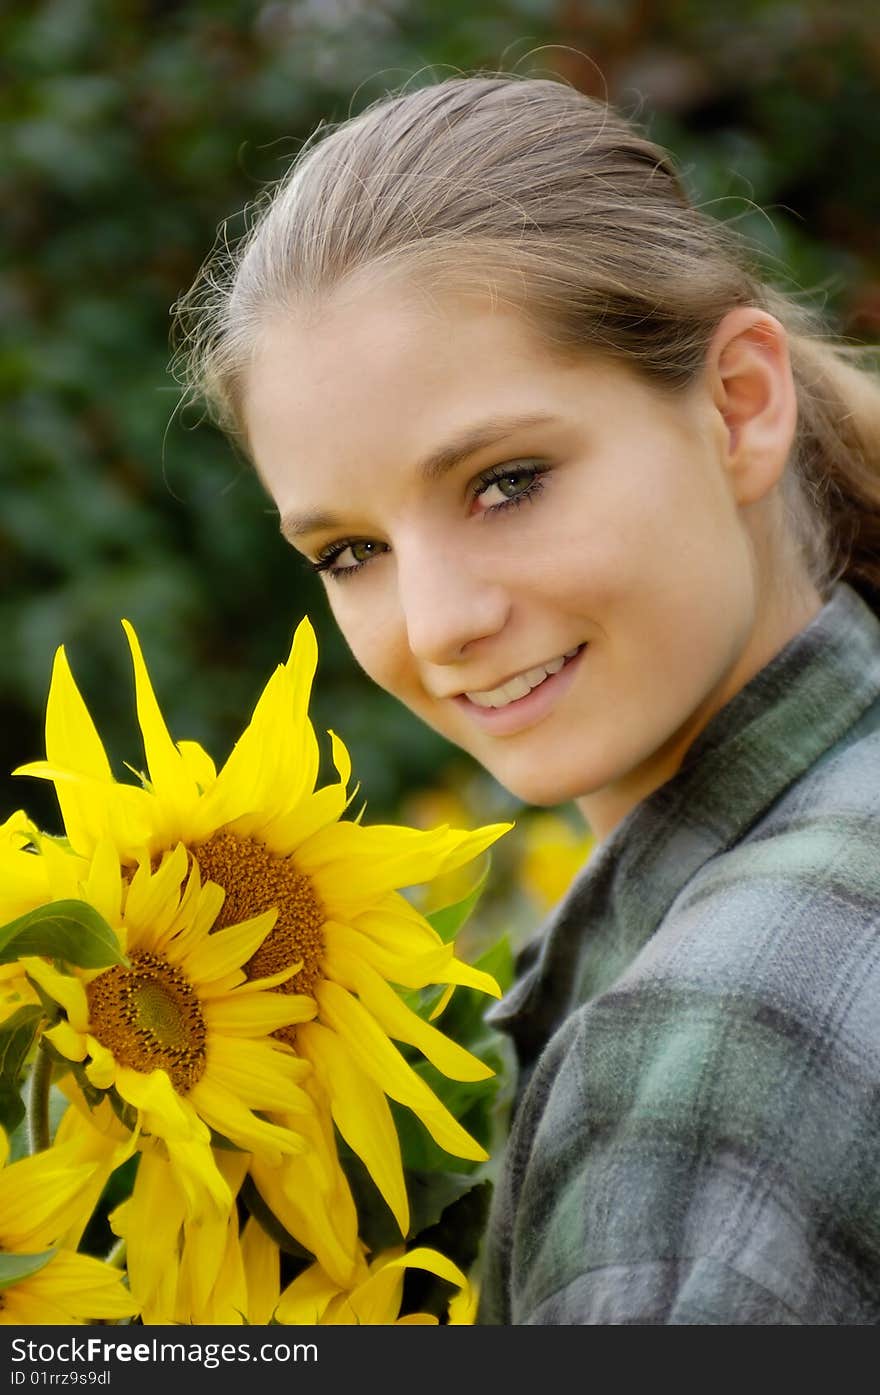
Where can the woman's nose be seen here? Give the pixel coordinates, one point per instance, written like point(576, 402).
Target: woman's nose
point(448, 603)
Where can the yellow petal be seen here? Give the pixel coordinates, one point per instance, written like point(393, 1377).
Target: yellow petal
point(153, 898)
point(360, 1112)
point(275, 760)
point(83, 1286)
point(149, 1222)
point(202, 1186)
point(72, 740)
point(395, 1017)
point(380, 1059)
point(257, 1073)
point(341, 758)
point(94, 809)
point(313, 812)
point(198, 763)
point(442, 1003)
point(304, 1302)
point(233, 1120)
point(66, 990)
point(311, 1197)
point(378, 1299)
point(38, 1199)
point(262, 1266)
point(256, 1014)
point(228, 949)
point(70, 1043)
point(169, 774)
point(379, 858)
point(101, 1069)
point(103, 885)
point(212, 1282)
point(164, 1112)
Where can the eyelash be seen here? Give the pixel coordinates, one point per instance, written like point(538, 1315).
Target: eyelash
point(531, 472)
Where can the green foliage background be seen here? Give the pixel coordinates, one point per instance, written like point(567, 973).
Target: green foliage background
point(130, 129)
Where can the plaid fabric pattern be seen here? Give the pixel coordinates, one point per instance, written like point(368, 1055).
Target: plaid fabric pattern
point(697, 1132)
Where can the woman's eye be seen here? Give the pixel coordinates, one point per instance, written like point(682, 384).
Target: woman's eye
point(359, 551)
point(348, 557)
point(507, 487)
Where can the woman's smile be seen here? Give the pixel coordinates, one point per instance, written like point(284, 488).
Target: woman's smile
point(523, 700)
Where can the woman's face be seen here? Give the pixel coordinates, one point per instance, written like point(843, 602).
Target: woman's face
point(543, 559)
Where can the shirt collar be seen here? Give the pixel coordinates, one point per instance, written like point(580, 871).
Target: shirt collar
point(765, 738)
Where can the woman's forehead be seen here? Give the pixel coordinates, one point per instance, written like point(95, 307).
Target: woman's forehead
point(379, 365)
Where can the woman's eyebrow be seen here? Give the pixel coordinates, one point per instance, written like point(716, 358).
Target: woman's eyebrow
point(436, 464)
point(478, 437)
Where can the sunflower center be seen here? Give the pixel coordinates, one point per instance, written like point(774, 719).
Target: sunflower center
point(149, 1016)
point(255, 880)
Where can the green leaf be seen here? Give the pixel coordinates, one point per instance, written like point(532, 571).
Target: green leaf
point(72, 931)
point(14, 1268)
point(12, 1108)
point(430, 1194)
point(449, 919)
point(16, 1039)
point(457, 1235)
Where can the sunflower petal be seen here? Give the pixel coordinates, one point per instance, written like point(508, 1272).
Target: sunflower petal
point(395, 1017)
point(379, 858)
point(225, 950)
point(360, 1112)
point(199, 764)
point(305, 1301)
point(170, 776)
point(377, 1300)
point(68, 1042)
point(38, 1198)
point(262, 1267)
point(380, 1059)
point(85, 1287)
point(101, 1069)
point(255, 1071)
point(72, 740)
point(164, 1112)
point(310, 1195)
point(64, 988)
point(233, 1120)
point(256, 1014)
point(102, 887)
point(149, 1221)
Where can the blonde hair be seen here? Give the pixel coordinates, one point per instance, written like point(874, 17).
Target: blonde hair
point(528, 189)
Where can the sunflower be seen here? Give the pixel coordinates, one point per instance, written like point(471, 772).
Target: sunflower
point(40, 1197)
point(343, 933)
point(178, 1033)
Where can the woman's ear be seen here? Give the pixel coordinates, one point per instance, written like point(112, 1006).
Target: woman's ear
point(749, 378)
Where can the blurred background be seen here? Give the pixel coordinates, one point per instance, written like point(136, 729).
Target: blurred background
point(131, 128)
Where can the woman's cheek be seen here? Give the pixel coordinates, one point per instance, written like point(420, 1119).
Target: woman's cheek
point(376, 645)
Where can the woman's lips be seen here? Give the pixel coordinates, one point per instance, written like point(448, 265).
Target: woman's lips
point(525, 711)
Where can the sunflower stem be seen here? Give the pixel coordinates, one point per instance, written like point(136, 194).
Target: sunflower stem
point(38, 1101)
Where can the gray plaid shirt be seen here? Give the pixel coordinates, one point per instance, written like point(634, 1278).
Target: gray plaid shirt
point(697, 1137)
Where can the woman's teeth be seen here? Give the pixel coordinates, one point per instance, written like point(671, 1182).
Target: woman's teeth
point(523, 683)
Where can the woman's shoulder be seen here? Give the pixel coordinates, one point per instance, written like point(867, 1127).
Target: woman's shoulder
point(821, 836)
point(785, 923)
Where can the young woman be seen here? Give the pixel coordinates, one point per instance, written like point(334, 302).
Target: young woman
point(604, 510)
